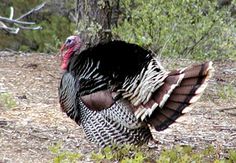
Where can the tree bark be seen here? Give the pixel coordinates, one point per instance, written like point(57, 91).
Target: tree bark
point(95, 18)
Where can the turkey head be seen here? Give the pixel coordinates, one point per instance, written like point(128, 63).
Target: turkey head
point(72, 44)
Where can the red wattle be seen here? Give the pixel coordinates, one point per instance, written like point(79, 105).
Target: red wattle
point(65, 58)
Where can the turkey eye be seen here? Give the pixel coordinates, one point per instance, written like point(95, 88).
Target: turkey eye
point(68, 41)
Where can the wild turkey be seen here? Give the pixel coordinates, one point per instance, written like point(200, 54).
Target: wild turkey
point(116, 91)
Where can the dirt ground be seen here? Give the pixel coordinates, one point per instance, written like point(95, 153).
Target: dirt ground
point(28, 129)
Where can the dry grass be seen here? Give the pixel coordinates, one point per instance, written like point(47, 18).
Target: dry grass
point(36, 123)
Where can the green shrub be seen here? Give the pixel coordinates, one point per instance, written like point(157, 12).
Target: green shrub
point(191, 28)
point(7, 100)
point(55, 28)
point(134, 154)
point(227, 92)
point(54, 32)
point(63, 156)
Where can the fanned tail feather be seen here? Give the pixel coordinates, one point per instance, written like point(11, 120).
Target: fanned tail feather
point(180, 89)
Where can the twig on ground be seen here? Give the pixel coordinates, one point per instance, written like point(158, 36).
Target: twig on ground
point(224, 109)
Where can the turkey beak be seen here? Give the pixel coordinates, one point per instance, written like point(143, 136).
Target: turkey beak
point(63, 47)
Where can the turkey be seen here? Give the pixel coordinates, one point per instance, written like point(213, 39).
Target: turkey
point(117, 91)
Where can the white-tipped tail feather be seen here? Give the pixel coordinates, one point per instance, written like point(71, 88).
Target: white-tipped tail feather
point(180, 90)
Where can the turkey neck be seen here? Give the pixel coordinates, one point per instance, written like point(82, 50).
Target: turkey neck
point(67, 93)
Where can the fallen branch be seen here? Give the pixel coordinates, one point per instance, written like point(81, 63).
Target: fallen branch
point(8, 20)
point(18, 23)
point(9, 29)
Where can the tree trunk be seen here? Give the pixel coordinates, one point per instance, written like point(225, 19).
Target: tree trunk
point(94, 20)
